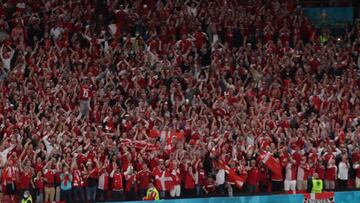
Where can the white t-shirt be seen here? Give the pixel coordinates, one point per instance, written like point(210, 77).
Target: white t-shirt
point(343, 171)
point(7, 61)
point(3, 155)
point(220, 177)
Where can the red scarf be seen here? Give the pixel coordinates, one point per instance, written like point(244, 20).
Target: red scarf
point(77, 177)
point(11, 173)
point(66, 179)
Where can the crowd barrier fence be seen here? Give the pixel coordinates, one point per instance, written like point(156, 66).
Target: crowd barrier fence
point(335, 197)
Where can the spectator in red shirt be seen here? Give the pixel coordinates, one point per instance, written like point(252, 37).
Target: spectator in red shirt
point(209, 186)
point(189, 181)
point(330, 176)
point(131, 188)
point(92, 180)
point(200, 177)
point(117, 183)
point(39, 180)
point(253, 177)
point(264, 178)
point(78, 182)
point(276, 180)
point(25, 177)
point(84, 97)
point(144, 177)
point(49, 183)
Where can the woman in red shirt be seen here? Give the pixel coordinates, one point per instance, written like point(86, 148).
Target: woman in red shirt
point(39, 186)
point(25, 177)
point(189, 181)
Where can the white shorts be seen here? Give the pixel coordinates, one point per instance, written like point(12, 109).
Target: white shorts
point(329, 185)
point(290, 185)
point(176, 191)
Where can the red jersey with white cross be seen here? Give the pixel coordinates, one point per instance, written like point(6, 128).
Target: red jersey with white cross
point(84, 93)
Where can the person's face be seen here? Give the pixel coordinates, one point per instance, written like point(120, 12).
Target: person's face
point(253, 163)
point(10, 162)
point(89, 166)
point(162, 165)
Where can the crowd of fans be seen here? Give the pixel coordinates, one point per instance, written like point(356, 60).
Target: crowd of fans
point(99, 99)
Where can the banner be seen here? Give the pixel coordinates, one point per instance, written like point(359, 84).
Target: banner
point(325, 197)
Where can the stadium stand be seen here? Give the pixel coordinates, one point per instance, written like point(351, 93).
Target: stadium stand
point(101, 100)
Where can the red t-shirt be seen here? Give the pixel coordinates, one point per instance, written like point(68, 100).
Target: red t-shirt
point(117, 182)
point(254, 176)
point(330, 173)
point(189, 181)
point(94, 173)
point(38, 167)
point(201, 178)
point(25, 179)
point(144, 178)
point(50, 177)
point(130, 182)
point(39, 184)
point(276, 176)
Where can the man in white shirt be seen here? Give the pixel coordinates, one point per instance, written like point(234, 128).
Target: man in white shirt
point(343, 174)
point(3, 155)
point(48, 144)
point(6, 57)
point(220, 181)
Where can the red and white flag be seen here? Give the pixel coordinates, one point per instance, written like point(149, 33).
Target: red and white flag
point(327, 197)
point(164, 181)
point(140, 144)
point(232, 175)
point(270, 162)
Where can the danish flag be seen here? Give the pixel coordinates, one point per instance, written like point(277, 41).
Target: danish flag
point(164, 181)
point(233, 177)
point(270, 162)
